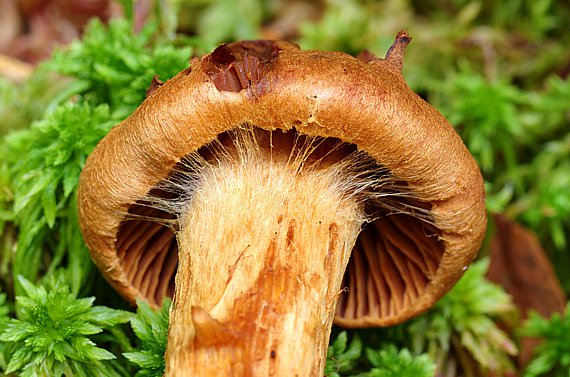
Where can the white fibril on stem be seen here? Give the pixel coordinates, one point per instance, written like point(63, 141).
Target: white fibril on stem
point(266, 228)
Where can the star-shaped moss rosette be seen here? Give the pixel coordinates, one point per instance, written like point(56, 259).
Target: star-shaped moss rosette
point(51, 334)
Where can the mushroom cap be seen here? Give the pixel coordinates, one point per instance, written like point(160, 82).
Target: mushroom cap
point(400, 266)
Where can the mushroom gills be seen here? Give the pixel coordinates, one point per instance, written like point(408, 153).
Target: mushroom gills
point(395, 256)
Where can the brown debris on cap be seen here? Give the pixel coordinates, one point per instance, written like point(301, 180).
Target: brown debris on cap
point(395, 54)
point(154, 84)
point(236, 66)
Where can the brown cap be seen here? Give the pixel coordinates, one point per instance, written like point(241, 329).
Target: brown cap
point(402, 262)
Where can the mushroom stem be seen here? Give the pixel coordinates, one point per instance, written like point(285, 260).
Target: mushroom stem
point(264, 244)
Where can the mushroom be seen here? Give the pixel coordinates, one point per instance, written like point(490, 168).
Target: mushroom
point(245, 186)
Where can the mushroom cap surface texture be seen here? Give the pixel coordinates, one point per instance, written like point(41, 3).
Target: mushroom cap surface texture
point(400, 265)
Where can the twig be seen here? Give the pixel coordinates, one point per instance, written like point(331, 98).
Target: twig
point(14, 69)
